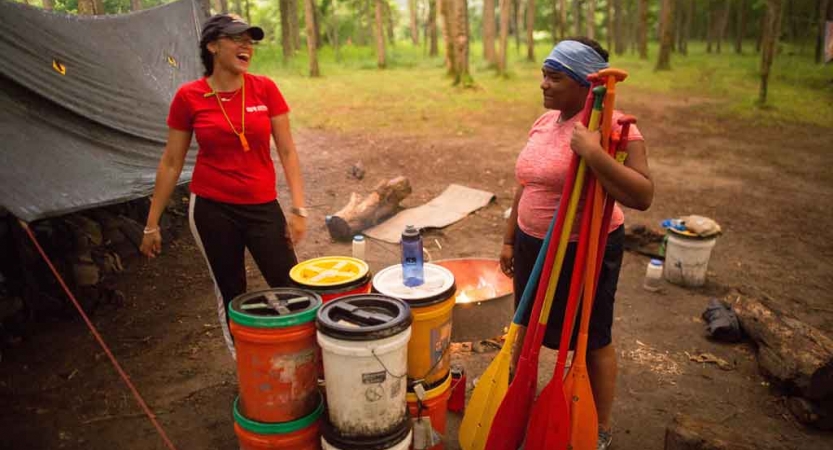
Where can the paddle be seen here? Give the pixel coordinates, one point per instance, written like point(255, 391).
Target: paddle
point(511, 417)
point(494, 382)
point(584, 420)
point(550, 424)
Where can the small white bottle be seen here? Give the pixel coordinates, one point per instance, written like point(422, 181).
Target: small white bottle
point(653, 276)
point(359, 246)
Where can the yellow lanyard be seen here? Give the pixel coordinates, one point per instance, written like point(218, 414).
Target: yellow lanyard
point(242, 134)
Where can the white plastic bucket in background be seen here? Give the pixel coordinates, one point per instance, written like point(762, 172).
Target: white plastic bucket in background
point(364, 343)
point(687, 259)
point(404, 444)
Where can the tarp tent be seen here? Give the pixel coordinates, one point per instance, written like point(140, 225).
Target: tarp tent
point(83, 102)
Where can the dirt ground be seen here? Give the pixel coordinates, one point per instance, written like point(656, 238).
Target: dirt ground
point(770, 189)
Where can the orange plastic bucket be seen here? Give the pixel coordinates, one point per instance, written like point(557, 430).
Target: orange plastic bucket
point(301, 434)
point(277, 353)
point(433, 409)
point(332, 277)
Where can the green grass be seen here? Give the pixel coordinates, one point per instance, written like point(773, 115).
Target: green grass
point(414, 95)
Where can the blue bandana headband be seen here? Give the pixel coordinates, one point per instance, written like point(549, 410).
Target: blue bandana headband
point(576, 60)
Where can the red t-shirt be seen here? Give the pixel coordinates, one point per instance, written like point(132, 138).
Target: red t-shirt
point(224, 172)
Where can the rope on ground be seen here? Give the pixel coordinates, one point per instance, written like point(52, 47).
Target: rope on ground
point(100, 340)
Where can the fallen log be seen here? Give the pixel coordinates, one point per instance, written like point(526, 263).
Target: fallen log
point(687, 433)
point(796, 355)
point(360, 214)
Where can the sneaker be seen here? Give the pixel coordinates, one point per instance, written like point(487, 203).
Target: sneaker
point(605, 438)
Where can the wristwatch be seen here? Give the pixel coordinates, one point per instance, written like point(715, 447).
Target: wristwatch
point(300, 212)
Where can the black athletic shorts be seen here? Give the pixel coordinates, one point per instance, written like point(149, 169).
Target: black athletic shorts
point(601, 320)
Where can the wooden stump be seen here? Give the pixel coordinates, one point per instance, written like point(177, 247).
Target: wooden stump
point(687, 433)
point(793, 353)
point(360, 214)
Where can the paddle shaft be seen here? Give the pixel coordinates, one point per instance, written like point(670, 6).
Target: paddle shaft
point(511, 417)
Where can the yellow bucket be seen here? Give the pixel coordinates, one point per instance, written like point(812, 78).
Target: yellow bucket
point(429, 356)
point(332, 277)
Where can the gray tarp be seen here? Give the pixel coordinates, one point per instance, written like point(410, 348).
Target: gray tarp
point(92, 136)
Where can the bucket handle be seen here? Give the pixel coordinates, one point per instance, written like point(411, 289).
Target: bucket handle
point(379, 360)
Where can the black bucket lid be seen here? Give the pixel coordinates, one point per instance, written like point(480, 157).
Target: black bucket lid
point(384, 442)
point(364, 317)
point(275, 308)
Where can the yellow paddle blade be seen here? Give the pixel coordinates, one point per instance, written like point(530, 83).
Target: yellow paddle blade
point(487, 397)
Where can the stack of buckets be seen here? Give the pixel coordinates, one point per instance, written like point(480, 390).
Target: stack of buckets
point(386, 353)
point(279, 406)
point(429, 356)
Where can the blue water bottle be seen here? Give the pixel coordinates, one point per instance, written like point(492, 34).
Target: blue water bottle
point(412, 274)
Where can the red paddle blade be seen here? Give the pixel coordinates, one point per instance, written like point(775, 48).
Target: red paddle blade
point(549, 424)
point(510, 421)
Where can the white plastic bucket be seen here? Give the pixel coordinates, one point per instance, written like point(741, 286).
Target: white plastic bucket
point(365, 365)
point(404, 444)
point(687, 259)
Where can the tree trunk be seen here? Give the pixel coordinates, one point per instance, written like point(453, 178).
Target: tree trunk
point(294, 25)
point(530, 30)
point(412, 6)
point(679, 17)
point(711, 20)
point(238, 7)
point(432, 27)
point(667, 37)
point(591, 19)
point(489, 32)
point(223, 6)
point(761, 28)
point(504, 35)
point(48, 5)
point(555, 19)
point(642, 32)
point(86, 7)
point(562, 21)
point(447, 11)
point(771, 34)
point(618, 25)
point(740, 28)
point(135, 5)
point(824, 11)
point(684, 23)
point(796, 355)
point(722, 24)
point(316, 22)
point(461, 43)
point(577, 17)
point(379, 31)
point(609, 33)
point(517, 20)
point(286, 29)
point(312, 37)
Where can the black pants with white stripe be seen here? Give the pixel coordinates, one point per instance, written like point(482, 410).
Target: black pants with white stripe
point(223, 231)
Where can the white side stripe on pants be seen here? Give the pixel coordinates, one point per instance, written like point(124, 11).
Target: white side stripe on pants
point(221, 310)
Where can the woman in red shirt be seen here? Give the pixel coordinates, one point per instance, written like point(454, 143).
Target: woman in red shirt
point(233, 115)
point(541, 170)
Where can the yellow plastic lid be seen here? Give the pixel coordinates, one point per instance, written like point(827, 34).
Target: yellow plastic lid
point(329, 271)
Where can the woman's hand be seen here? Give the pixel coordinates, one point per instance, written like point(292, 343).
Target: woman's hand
point(507, 260)
point(584, 141)
point(151, 244)
point(297, 228)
